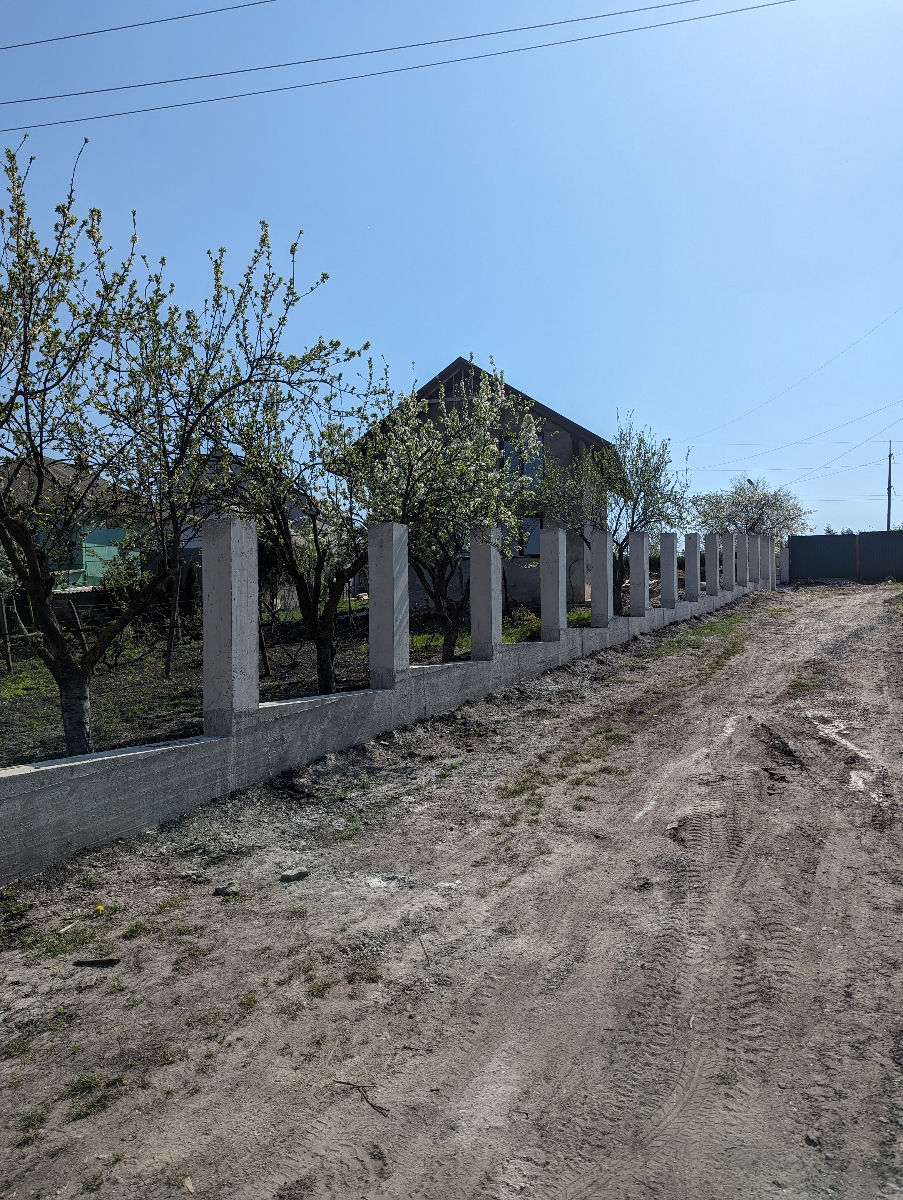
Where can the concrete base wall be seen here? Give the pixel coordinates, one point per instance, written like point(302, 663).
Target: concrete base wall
point(49, 810)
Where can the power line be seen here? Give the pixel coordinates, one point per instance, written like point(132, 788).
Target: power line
point(837, 457)
point(68, 37)
point(292, 87)
point(801, 441)
point(805, 378)
point(306, 62)
point(774, 470)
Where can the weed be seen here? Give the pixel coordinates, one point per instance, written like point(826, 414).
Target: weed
point(510, 819)
point(522, 626)
point(92, 1094)
point(292, 1009)
point(116, 986)
point(727, 1076)
point(207, 1064)
point(93, 1183)
point(247, 1002)
point(139, 928)
point(351, 827)
point(543, 848)
point(579, 806)
point(318, 988)
point(31, 1125)
point(169, 903)
point(808, 679)
point(300, 910)
point(51, 945)
point(365, 971)
point(31, 1027)
point(186, 962)
point(89, 881)
point(11, 905)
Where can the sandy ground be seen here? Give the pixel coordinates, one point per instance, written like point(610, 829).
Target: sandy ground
point(633, 931)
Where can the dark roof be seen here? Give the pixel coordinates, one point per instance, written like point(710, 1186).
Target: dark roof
point(460, 370)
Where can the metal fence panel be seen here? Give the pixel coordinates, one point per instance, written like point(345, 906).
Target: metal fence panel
point(880, 556)
point(823, 556)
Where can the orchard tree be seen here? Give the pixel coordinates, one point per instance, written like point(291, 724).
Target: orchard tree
point(578, 494)
point(447, 470)
point(109, 397)
point(176, 372)
point(750, 506)
point(652, 494)
point(61, 301)
point(299, 465)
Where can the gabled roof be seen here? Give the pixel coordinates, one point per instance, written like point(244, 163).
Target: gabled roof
point(447, 381)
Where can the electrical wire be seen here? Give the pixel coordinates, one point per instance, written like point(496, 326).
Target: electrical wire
point(306, 62)
point(806, 378)
point(800, 441)
point(291, 87)
point(837, 457)
point(68, 37)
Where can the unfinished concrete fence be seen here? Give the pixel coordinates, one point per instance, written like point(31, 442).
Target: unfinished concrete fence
point(48, 810)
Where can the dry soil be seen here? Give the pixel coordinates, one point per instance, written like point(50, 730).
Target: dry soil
point(631, 931)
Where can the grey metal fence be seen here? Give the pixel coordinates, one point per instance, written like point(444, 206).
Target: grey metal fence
point(863, 557)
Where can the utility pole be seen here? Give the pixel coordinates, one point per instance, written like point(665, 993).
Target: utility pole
point(890, 459)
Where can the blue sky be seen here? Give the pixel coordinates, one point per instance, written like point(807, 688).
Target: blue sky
point(682, 222)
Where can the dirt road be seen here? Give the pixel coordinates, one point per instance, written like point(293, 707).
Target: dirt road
point(633, 931)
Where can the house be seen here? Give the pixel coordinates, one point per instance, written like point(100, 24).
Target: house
point(560, 437)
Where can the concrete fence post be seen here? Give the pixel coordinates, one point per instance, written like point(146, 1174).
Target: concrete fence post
point(772, 574)
point(712, 584)
point(230, 616)
point(639, 574)
point(669, 570)
point(692, 585)
point(785, 564)
point(755, 561)
point(728, 550)
point(485, 596)
point(390, 646)
point(553, 582)
point(742, 560)
point(601, 584)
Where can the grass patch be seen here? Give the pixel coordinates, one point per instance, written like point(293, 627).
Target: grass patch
point(580, 618)
point(318, 988)
point(808, 679)
point(31, 1125)
point(523, 625)
point(91, 1094)
point(169, 904)
point(137, 929)
point(350, 829)
point(32, 1027)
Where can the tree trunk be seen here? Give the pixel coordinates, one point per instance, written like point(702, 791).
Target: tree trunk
point(325, 666)
point(75, 704)
point(7, 652)
point(451, 627)
point(264, 653)
point(618, 597)
point(174, 630)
